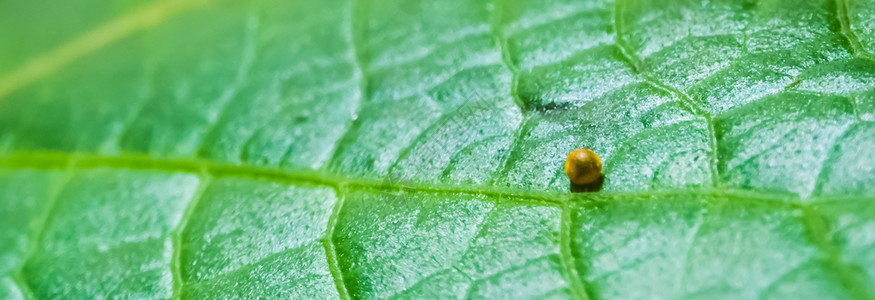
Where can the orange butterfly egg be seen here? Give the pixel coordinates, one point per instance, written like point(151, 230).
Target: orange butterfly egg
point(583, 166)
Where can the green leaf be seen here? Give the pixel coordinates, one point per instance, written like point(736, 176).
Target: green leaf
point(413, 149)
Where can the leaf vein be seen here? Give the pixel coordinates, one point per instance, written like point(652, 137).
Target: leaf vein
point(567, 255)
point(358, 59)
point(330, 247)
point(177, 233)
point(36, 159)
point(848, 34)
point(848, 275)
point(685, 99)
point(47, 64)
point(36, 241)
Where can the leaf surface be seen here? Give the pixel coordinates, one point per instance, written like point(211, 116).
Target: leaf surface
point(413, 149)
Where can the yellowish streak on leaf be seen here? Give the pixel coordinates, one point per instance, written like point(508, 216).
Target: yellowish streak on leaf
point(48, 63)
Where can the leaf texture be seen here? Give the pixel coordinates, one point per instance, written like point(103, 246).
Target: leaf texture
point(373, 149)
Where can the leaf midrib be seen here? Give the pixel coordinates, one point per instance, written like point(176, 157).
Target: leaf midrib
point(60, 160)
